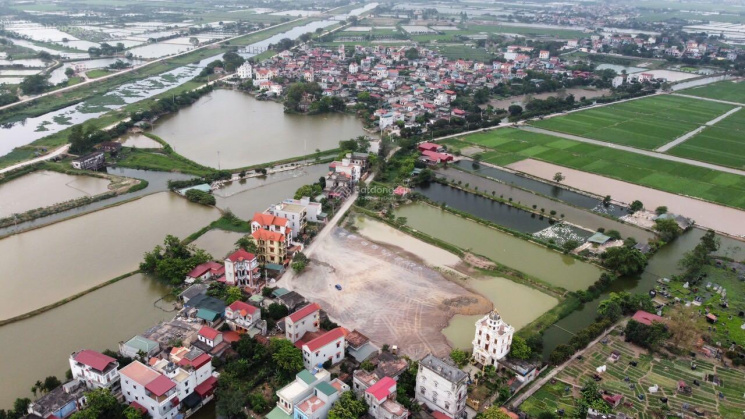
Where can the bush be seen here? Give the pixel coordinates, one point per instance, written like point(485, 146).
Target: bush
point(200, 197)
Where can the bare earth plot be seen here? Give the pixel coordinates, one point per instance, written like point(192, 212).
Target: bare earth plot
point(645, 123)
point(389, 297)
point(717, 217)
point(722, 143)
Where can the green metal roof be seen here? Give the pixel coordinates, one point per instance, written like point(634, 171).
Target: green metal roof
point(207, 314)
point(306, 376)
point(257, 298)
point(598, 238)
point(326, 388)
point(280, 292)
point(277, 413)
point(142, 344)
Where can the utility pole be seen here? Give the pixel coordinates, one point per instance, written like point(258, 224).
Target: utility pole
point(218, 160)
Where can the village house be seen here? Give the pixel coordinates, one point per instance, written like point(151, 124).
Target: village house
point(318, 405)
point(245, 71)
point(191, 371)
point(492, 340)
point(298, 390)
point(61, 402)
point(296, 216)
point(92, 161)
point(205, 272)
point(241, 316)
point(442, 387)
point(307, 319)
point(348, 168)
point(381, 400)
point(149, 391)
point(209, 336)
point(329, 347)
point(313, 210)
point(242, 269)
point(272, 236)
point(94, 369)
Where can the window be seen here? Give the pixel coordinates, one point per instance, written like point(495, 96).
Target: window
point(338, 344)
point(422, 390)
point(447, 405)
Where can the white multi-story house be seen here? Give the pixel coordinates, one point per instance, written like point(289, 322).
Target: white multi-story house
point(442, 387)
point(313, 210)
point(245, 71)
point(307, 319)
point(189, 370)
point(93, 368)
point(492, 340)
point(353, 68)
point(381, 400)
point(242, 269)
point(300, 389)
point(346, 167)
point(330, 346)
point(318, 405)
point(156, 393)
point(269, 222)
point(544, 55)
point(241, 316)
point(296, 216)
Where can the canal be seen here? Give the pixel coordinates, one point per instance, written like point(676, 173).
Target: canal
point(554, 268)
point(663, 264)
point(230, 129)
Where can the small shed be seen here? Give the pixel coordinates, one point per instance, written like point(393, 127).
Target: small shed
point(711, 318)
point(599, 238)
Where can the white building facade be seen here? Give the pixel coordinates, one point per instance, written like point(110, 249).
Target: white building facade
point(442, 387)
point(493, 339)
point(95, 369)
point(307, 319)
point(328, 347)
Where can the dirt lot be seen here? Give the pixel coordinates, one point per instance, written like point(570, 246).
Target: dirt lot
point(387, 295)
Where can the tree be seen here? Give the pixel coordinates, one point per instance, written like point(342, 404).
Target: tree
point(682, 335)
point(660, 210)
point(50, 383)
point(34, 84)
point(570, 245)
point(624, 260)
point(69, 72)
point(646, 336)
point(233, 294)
point(276, 311)
point(348, 407)
point(606, 200)
point(172, 261)
point(194, 40)
point(667, 228)
point(246, 243)
point(101, 404)
point(200, 197)
point(558, 177)
point(494, 412)
point(520, 349)
point(460, 357)
point(287, 358)
point(636, 206)
point(515, 110)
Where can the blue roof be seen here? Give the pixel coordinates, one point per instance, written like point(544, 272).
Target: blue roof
point(204, 187)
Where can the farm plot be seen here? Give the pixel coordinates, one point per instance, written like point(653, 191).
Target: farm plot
point(723, 143)
point(644, 123)
point(634, 381)
point(731, 91)
point(509, 145)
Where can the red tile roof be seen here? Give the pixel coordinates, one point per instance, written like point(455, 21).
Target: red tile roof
point(304, 312)
point(207, 387)
point(93, 359)
point(160, 385)
point(243, 308)
point(241, 254)
point(326, 338)
point(262, 234)
point(197, 362)
point(440, 415)
point(208, 332)
point(201, 269)
point(643, 317)
point(269, 219)
point(382, 389)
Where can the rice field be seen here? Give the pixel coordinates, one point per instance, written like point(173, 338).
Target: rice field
point(731, 91)
point(631, 381)
point(507, 145)
point(723, 143)
point(646, 123)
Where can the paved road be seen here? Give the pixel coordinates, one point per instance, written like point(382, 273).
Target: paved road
point(57, 152)
point(73, 87)
point(709, 99)
point(636, 150)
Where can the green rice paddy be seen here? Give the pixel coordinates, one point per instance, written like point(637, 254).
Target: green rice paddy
point(723, 90)
point(723, 143)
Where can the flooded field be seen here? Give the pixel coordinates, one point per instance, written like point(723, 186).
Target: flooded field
point(554, 268)
point(262, 133)
point(582, 217)
point(40, 346)
point(392, 298)
point(704, 213)
point(58, 75)
point(218, 243)
point(44, 188)
point(522, 100)
point(54, 262)
point(159, 49)
point(244, 198)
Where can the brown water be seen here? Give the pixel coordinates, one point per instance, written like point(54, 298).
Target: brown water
point(218, 243)
point(139, 141)
point(246, 131)
point(547, 265)
point(706, 214)
point(35, 348)
point(44, 188)
point(46, 265)
point(521, 100)
point(257, 194)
